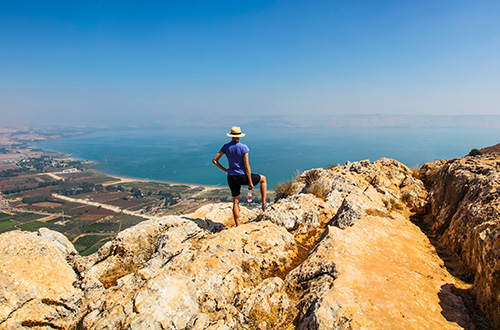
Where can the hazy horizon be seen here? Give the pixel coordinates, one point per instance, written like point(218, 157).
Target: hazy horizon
point(275, 121)
point(135, 63)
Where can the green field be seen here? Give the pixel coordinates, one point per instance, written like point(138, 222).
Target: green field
point(4, 216)
point(96, 178)
point(55, 220)
point(34, 225)
point(223, 194)
point(100, 226)
point(24, 221)
point(94, 247)
point(26, 217)
point(7, 223)
point(12, 196)
point(88, 244)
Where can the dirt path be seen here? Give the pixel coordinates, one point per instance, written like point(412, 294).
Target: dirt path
point(102, 205)
point(390, 275)
point(53, 176)
point(48, 218)
point(205, 189)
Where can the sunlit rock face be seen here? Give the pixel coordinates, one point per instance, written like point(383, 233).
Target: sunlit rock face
point(338, 251)
point(36, 282)
point(465, 214)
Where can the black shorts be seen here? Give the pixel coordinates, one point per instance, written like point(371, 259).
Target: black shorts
point(236, 181)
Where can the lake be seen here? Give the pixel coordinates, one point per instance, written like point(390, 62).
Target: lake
point(184, 155)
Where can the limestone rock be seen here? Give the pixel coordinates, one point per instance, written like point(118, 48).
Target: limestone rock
point(361, 278)
point(36, 283)
point(264, 306)
point(222, 214)
point(133, 247)
point(465, 214)
point(186, 285)
point(283, 268)
point(58, 240)
point(314, 278)
point(304, 215)
point(346, 215)
point(298, 212)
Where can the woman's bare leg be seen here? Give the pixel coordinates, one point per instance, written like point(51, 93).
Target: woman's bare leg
point(236, 210)
point(263, 188)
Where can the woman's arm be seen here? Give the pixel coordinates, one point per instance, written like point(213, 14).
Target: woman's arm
point(248, 171)
point(216, 161)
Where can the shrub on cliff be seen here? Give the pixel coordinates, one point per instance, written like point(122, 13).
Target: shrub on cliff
point(475, 152)
point(416, 171)
point(311, 176)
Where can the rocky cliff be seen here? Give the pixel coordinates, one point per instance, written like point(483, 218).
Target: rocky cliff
point(464, 214)
point(339, 250)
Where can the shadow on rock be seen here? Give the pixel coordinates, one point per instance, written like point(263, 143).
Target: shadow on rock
point(459, 306)
point(450, 262)
point(209, 225)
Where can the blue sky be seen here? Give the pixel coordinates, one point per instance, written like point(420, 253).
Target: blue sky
point(144, 62)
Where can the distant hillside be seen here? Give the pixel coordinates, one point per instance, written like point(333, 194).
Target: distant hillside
point(487, 150)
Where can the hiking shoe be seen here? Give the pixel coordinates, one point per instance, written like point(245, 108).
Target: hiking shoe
point(265, 206)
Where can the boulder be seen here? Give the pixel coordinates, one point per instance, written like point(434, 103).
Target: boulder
point(222, 214)
point(134, 246)
point(36, 282)
point(60, 241)
point(346, 215)
point(194, 281)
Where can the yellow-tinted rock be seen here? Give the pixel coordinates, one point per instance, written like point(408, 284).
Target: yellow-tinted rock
point(36, 283)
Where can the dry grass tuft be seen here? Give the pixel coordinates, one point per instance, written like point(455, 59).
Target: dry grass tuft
point(285, 189)
point(408, 199)
point(319, 189)
point(415, 171)
point(394, 205)
point(312, 176)
point(377, 213)
point(332, 166)
point(111, 276)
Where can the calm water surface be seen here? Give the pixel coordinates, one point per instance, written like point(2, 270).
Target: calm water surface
point(185, 155)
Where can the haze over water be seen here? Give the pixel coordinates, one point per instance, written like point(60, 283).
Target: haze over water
point(184, 155)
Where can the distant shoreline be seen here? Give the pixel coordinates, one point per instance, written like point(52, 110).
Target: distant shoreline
point(7, 141)
point(124, 179)
point(132, 179)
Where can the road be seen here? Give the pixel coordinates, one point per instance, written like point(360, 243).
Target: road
point(102, 205)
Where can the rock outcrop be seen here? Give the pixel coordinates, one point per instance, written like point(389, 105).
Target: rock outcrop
point(465, 215)
point(339, 251)
point(37, 283)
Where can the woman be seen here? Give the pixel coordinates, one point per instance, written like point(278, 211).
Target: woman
point(239, 172)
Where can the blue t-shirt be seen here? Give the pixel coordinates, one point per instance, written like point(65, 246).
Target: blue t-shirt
point(234, 152)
